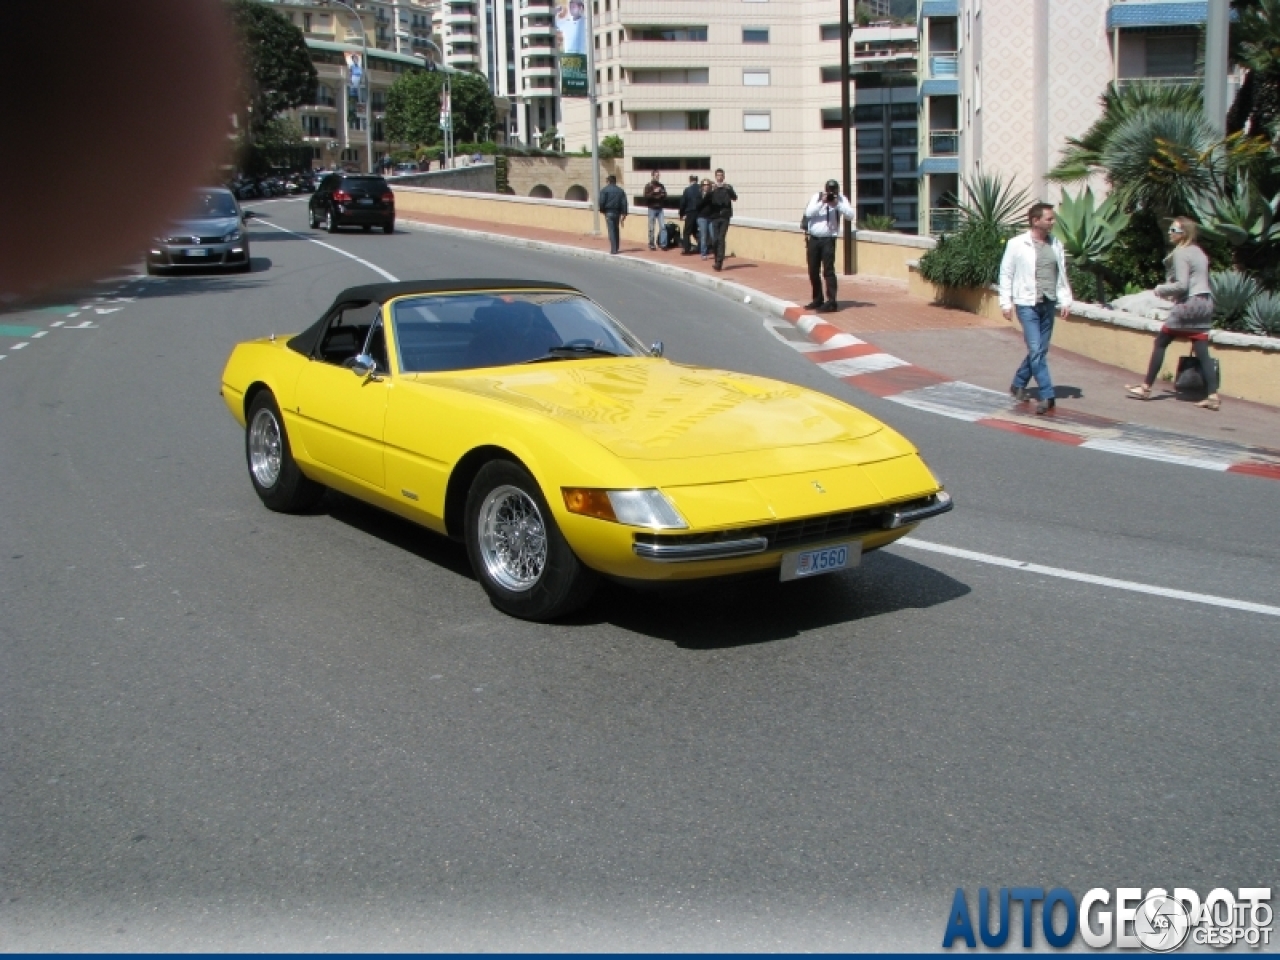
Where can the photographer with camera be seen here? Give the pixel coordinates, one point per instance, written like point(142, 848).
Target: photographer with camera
point(821, 224)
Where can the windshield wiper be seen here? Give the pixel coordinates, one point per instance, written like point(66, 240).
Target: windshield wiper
point(573, 350)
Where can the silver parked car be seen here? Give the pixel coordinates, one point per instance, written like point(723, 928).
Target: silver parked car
point(210, 235)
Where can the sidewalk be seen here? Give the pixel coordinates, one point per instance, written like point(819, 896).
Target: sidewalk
point(933, 357)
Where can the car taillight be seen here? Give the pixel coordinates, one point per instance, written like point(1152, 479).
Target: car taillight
point(341, 196)
point(388, 197)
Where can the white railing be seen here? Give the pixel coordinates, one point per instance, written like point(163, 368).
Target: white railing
point(943, 220)
point(943, 65)
point(944, 143)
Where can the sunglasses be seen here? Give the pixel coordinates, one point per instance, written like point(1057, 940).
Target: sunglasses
point(1175, 230)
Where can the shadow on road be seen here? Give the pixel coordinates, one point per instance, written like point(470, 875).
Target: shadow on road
point(757, 609)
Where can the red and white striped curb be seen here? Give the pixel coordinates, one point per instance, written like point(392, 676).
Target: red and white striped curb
point(869, 368)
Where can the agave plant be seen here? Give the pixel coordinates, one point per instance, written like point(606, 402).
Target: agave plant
point(990, 201)
point(876, 221)
point(1240, 215)
point(1232, 293)
point(1263, 315)
point(1087, 231)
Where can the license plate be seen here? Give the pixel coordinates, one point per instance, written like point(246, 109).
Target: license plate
point(811, 563)
point(365, 202)
point(196, 252)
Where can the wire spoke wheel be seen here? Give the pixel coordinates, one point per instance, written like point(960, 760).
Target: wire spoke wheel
point(265, 448)
point(513, 538)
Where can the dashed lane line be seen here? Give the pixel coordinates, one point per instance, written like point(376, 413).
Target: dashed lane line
point(1091, 578)
point(328, 246)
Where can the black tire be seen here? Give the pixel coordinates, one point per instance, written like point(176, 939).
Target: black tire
point(560, 585)
point(368, 227)
point(389, 227)
point(311, 216)
point(288, 491)
point(152, 269)
point(330, 222)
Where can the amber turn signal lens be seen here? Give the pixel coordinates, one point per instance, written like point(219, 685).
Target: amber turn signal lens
point(589, 503)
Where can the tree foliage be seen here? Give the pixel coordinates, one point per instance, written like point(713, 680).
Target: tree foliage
point(276, 69)
point(1255, 44)
point(413, 108)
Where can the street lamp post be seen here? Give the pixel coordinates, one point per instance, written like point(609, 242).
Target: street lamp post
point(368, 97)
point(448, 98)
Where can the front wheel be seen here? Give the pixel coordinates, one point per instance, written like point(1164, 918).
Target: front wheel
point(276, 478)
point(330, 224)
point(389, 227)
point(311, 216)
point(517, 551)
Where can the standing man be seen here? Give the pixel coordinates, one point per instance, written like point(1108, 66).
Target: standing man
point(613, 204)
point(1033, 281)
point(821, 223)
point(654, 195)
point(722, 197)
point(689, 212)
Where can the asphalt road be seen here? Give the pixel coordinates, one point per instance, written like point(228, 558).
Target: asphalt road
point(229, 729)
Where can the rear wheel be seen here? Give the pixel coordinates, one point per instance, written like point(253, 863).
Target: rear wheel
point(389, 227)
point(517, 551)
point(311, 216)
point(330, 224)
point(275, 475)
point(367, 227)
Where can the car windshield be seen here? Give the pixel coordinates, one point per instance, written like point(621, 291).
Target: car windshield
point(468, 330)
point(212, 205)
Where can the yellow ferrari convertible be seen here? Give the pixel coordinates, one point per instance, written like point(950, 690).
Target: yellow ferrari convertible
point(519, 417)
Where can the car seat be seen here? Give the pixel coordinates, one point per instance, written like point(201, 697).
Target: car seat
point(510, 332)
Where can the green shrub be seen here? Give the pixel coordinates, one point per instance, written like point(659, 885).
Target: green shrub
point(877, 221)
point(968, 258)
point(1137, 257)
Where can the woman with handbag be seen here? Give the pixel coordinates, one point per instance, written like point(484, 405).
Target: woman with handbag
point(1187, 284)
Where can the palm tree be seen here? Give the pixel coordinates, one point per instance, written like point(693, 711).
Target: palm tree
point(1162, 158)
point(990, 201)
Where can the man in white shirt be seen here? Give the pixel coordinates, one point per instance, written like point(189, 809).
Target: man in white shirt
point(1033, 282)
point(821, 222)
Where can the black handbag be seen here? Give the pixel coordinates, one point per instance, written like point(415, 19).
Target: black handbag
point(1190, 378)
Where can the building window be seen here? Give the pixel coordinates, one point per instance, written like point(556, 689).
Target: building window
point(648, 164)
point(757, 120)
point(755, 34)
point(902, 111)
point(830, 31)
point(870, 187)
point(669, 34)
point(906, 188)
point(685, 75)
point(831, 118)
point(306, 23)
point(904, 163)
point(671, 120)
point(905, 137)
point(755, 78)
point(870, 210)
point(1171, 56)
point(868, 113)
point(905, 212)
point(871, 138)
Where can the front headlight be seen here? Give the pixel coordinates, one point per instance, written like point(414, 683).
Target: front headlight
point(635, 508)
point(231, 237)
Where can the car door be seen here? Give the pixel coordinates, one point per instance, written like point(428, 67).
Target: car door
point(320, 199)
point(342, 415)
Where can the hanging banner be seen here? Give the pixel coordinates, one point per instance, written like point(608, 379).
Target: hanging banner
point(571, 31)
point(355, 74)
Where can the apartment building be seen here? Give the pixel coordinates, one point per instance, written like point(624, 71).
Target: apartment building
point(752, 86)
point(513, 44)
point(1004, 83)
point(401, 26)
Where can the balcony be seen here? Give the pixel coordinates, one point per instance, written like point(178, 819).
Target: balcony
point(538, 46)
point(463, 57)
point(1162, 81)
point(536, 6)
point(943, 220)
point(540, 70)
point(944, 143)
point(537, 27)
point(458, 15)
point(943, 66)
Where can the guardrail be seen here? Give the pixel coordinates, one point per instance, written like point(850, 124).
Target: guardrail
point(944, 143)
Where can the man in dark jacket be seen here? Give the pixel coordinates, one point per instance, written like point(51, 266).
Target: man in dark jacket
point(613, 204)
point(689, 212)
point(655, 195)
point(721, 206)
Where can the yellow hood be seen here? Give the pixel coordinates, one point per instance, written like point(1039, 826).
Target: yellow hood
point(649, 409)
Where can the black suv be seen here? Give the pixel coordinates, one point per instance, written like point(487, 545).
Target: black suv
point(353, 199)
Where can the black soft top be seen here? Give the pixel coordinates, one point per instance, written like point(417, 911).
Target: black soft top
point(380, 293)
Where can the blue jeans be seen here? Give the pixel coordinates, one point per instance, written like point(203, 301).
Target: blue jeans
point(704, 235)
point(655, 213)
point(1037, 328)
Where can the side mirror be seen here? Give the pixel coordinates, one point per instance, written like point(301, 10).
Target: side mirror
point(656, 349)
point(363, 365)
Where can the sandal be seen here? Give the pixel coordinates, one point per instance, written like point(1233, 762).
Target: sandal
point(1138, 391)
point(1210, 403)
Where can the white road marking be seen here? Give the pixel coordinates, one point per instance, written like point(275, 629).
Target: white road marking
point(19, 346)
point(328, 246)
point(57, 323)
point(39, 333)
point(855, 367)
point(1149, 451)
point(102, 311)
point(1130, 585)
